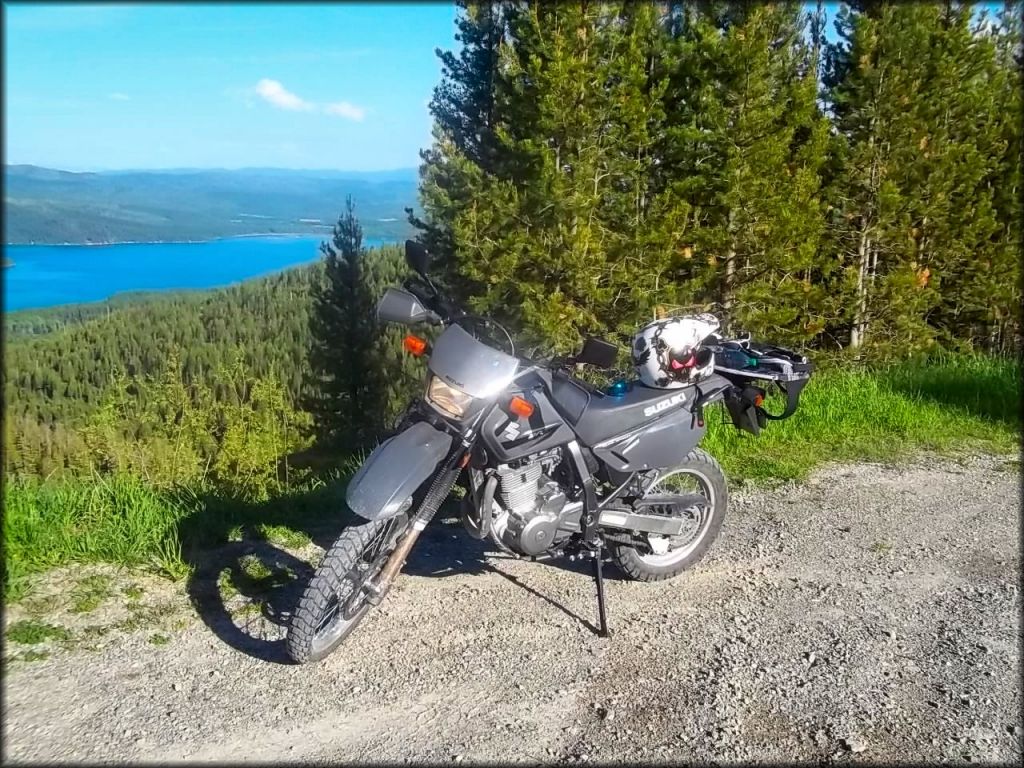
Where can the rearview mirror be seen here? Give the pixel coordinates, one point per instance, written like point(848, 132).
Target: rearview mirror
point(417, 257)
point(598, 352)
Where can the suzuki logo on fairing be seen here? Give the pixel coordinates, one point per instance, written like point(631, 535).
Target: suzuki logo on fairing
point(659, 407)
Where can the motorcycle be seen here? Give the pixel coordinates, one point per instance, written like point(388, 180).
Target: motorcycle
point(552, 466)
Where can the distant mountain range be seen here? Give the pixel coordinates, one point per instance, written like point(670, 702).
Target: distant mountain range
point(44, 205)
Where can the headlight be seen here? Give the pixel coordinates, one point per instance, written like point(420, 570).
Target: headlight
point(446, 397)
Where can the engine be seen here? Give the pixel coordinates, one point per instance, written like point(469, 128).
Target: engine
point(528, 504)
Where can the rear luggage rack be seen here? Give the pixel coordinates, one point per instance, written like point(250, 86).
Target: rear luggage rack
point(746, 364)
point(748, 360)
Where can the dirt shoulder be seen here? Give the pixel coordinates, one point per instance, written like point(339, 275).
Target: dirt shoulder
point(868, 614)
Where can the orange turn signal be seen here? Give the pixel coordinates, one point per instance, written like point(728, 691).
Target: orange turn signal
point(520, 407)
point(414, 345)
point(758, 399)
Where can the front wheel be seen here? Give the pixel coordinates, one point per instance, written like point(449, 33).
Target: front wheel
point(652, 557)
point(334, 601)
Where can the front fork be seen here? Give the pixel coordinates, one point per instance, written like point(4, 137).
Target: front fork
point(443, 483)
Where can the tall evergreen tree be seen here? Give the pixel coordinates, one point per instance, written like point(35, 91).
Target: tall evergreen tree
point(466, 110)
point(392, 376)
point(980, 291)
point(871, 82)
point(1005, 333)
point(918, 98)
point(746, 142)
point(562, 230)
point(341, 326)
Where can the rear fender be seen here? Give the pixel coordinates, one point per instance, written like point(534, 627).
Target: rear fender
point(384, 485)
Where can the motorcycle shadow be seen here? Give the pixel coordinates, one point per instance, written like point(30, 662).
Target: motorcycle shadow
point(250, 562)
point(246, 589)
point(445, 548)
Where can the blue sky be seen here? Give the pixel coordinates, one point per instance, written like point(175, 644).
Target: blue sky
point(341, 86)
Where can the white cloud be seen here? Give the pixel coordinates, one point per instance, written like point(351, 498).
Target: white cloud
point(276, 94)
point(346, 110)
point(119, 97)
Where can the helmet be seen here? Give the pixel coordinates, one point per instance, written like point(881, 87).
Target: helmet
point(668, 353)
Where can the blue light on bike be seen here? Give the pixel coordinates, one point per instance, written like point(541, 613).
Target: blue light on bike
point(618, 388)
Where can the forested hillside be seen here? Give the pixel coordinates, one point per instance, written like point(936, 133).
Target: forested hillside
point(56, 381)
point(47, 206)
point(34, 322)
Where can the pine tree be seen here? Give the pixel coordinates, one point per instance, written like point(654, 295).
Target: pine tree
point(564, 228)
point(746, 143)
point(533, 244)
point(341, 327)
point(466, 110)
point(392, 376)
point(981, 293)
point(921, 104)
point(1004, 332)
point(871, 82)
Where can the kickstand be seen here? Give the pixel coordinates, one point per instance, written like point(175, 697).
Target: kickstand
point(598, 555)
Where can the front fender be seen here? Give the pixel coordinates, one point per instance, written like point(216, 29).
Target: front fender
point(397, 467)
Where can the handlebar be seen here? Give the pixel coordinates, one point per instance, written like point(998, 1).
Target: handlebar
point(430, 298)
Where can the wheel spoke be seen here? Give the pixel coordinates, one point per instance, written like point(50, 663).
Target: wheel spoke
point(329, 614)
point(344, 607)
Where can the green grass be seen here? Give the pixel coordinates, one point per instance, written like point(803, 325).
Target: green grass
point(846, 415)
point(111, 520)
point(254, 577)
point(33, 655)
point(142, 616)
point(942, 405)
point(89, 593)
point(226, 585)
point(32, 632)
point(121, 520)
point(283, 536)
point(133, 592)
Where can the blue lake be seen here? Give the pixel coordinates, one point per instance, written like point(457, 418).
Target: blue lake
point(47, 275)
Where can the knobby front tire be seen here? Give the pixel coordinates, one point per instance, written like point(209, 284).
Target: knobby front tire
point(334, 603)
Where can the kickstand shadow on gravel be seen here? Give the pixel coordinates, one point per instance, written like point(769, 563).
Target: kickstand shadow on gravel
point(588, 624)
point(446, 549)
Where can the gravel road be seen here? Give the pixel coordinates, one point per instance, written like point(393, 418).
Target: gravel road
point(869, 614)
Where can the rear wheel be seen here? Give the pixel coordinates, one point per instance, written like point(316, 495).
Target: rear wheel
point(334, 601)
point(653, 557)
